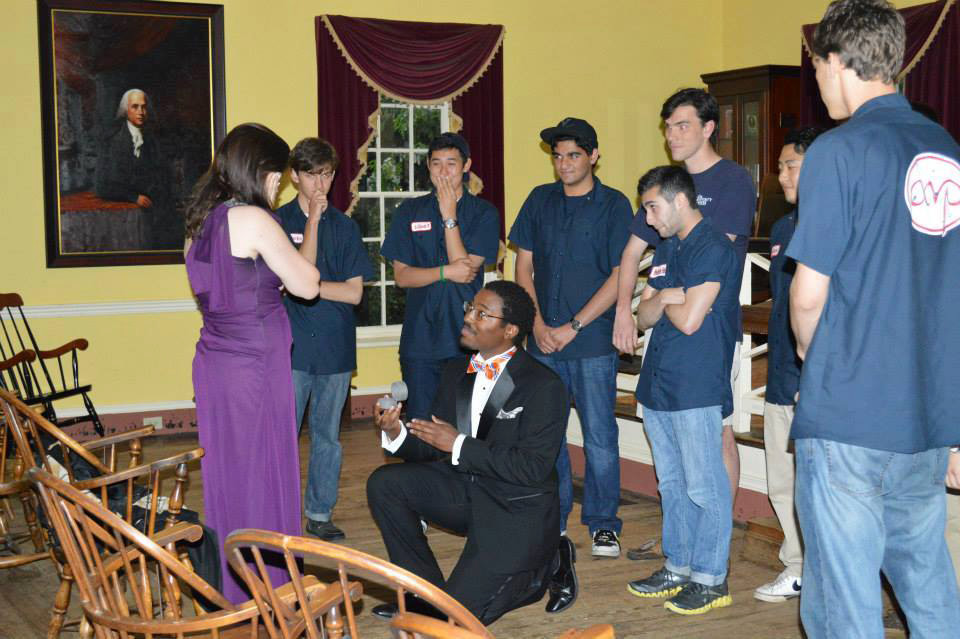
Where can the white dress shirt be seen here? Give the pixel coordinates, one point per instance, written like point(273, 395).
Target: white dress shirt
point(482, 387)
point(137, 136)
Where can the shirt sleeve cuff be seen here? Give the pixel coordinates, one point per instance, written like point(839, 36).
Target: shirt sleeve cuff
point(455, 453)
point(394, 445)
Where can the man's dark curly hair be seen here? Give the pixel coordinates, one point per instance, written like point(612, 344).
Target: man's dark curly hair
point(518, 308)
point(801, 139)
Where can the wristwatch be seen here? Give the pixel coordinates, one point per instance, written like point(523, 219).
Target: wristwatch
point(450, 223)
point(575, 325)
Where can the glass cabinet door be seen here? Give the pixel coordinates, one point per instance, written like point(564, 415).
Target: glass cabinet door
point(726, 131)
point(751, 136)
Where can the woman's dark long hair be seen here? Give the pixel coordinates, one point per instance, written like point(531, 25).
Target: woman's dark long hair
point(239, 170)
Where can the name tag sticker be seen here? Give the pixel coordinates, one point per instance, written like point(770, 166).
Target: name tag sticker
point(775, 250)
point(297, 238)
point(420, 227)
point(658, 271)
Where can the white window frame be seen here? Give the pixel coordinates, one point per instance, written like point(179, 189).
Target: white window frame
point(388, 335)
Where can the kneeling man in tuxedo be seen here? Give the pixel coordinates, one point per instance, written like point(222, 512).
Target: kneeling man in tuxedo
point(484, 466)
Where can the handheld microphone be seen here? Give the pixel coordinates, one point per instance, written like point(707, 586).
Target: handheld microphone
point(398, 393)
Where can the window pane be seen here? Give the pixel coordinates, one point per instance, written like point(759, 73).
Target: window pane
point(393, 172)
point(394, 129)
point(426, 126)
point(367, 216)
point(421, 173)
point(368, 310)
point(396, 300)
point(373, 252)
point(369, 180)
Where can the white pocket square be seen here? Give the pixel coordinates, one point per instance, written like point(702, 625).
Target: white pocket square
point(510, 414)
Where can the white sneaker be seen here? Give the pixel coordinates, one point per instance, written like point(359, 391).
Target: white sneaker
point(605, 543)
point(784, 587)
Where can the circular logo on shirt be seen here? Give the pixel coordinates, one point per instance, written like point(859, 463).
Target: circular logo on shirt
point(932, 192)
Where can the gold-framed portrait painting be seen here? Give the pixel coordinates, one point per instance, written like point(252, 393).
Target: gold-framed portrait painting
point(132, 99)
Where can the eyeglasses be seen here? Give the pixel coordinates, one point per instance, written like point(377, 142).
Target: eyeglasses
point(323, 175)
point(468, 308)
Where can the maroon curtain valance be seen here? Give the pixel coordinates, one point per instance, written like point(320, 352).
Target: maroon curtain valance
point(417, 62)
point(930, 60)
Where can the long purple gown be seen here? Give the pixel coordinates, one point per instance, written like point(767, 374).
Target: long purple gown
point(244, 395)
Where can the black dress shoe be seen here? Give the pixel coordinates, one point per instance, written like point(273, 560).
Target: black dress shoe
point(325, 530)
point(414, 604)
point(563, 584)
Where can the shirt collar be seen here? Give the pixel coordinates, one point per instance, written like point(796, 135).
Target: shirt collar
point(597, 193)
point(511, 351)
point(887, 101)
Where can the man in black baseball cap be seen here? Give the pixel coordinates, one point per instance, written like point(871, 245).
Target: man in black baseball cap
point(580, 131)
point(569, 236)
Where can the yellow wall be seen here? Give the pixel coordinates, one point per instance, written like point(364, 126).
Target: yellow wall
point(612, 62)
point(768, 31)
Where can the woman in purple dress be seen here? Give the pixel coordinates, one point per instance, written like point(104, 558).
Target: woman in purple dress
point(237, 260)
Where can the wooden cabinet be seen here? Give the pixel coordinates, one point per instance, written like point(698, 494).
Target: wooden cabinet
point(758, 106)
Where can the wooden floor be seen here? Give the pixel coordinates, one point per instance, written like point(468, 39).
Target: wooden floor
point(26, 593)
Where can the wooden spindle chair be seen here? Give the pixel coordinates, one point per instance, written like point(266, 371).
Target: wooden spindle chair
point(130, 584)
point(245, 550)
point(121, 489)
point(245, 545)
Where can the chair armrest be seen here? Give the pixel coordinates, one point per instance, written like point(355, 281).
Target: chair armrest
point(181, 531)
point(76, 345)
point(120, 437)
point(139, 471)
point(23, 356)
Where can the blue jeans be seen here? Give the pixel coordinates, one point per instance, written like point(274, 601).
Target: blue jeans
point(862, 511)
point(326, 394)
point(694, 490)
point(422, 377)
point(592, 382)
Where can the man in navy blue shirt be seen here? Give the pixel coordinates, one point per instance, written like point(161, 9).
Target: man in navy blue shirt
point(438, 244)
point(324, 329)
point(691, 302)
point(725, 196)
point(874, 309)
point(783, 378)
point(569, 235)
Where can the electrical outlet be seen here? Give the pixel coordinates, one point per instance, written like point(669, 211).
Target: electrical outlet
point(156, 422)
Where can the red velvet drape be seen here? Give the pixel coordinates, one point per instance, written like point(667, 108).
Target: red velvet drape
point(933, 80)
point(414, 62)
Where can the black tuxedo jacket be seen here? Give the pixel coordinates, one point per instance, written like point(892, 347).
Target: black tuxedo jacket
point(510, 467)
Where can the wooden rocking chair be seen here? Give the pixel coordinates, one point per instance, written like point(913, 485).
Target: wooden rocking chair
point(31, 379)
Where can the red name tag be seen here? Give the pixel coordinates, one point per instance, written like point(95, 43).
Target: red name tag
point(420, 227)
point(658, 271)
point(775, 250)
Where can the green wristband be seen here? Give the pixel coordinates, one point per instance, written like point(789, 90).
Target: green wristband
point(441, 273)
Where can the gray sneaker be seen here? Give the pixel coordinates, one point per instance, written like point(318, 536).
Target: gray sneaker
point(325, 530)
point(697, 598)
point(663, 583)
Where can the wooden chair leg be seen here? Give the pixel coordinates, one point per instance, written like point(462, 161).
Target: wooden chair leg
point(86, 629)
point(60, 603)
point(335, 623)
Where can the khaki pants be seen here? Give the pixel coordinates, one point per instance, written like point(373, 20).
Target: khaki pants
point(953, 530)
point(780, 478)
